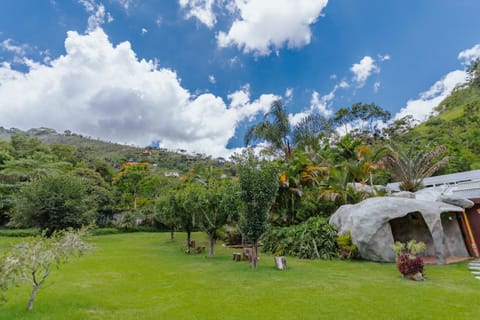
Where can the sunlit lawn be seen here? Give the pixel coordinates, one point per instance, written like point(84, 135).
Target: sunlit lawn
point(147, 276)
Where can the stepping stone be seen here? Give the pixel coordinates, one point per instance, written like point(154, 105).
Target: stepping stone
point(473, 268)
point(478, 278)
point(476, 272)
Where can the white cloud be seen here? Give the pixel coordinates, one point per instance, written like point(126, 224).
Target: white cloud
point(363, 69)
point(289, 93)
point(105, 91)
point(159, 21)
point(8, 46)
point(126, 4)
point(343, 84)
point(200, 9)
point(143, 31)
point(376, 86)
point(384, 57)
point(211, 79)
point(469, 55)
point(97, 12)
point(320, 104)
point(422, 107)
point(294, 119)
point(266, 25)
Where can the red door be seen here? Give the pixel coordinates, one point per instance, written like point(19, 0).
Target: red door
point(473, 217)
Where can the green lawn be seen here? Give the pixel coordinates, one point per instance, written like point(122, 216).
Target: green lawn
point(147, 276)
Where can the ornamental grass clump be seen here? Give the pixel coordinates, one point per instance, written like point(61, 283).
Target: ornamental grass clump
point(346, 249)
point(409, 264)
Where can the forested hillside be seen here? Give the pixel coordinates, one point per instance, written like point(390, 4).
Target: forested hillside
point(457, 126)
point(88, 149)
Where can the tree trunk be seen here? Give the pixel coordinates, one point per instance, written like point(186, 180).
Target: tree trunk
point(211, 244)
point(135, 202)
point(254, 255)
point(32, 297)
point(172, 232)
point(188, 241)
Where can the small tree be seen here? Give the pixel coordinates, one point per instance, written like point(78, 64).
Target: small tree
point(185, 206)
point(168, 214)
point(217, 201)
point(32, 260)
point(258, 188)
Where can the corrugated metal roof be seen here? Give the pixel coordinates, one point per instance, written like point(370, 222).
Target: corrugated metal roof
point(468, 180)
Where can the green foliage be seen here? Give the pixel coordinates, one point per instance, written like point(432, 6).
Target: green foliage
point(313, 239)
point(412, 166)
point(53, 203)
point(258, 187)
point(127, 221)
point(32, 260)
point(362, 117)
point(346, 248)
point(456, 126)
point(19, 233)
point(275, 130)
point(145, 276)
point(408, 262)
point(217, 199)
point(411, 247)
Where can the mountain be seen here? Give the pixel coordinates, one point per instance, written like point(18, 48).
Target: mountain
point(456, 125)
point(115, 153)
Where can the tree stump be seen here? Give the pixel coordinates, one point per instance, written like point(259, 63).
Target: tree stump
point(191, 244)
point(281, 263)
point(237, 256)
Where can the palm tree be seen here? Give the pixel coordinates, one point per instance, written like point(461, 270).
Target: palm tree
point(275, 130)
point(410, 168)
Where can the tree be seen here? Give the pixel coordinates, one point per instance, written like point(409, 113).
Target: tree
point(32, 260)
point(168, 211)
point(100, 194)
point(258, 187)
point(361, 118)
point(217, 202)
point(310, 129)
point(130, 178)
point(274, 129)
point(54, 203)
point(185, 202)
point(410, 168)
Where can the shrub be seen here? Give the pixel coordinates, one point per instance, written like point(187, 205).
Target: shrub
point(408, 263)
point(19, 232)
point(346, 248)
point(313, 239)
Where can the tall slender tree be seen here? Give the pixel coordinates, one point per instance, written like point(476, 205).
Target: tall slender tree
point(258, 187)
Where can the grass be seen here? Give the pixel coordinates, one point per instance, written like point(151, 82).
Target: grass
point(147, 276)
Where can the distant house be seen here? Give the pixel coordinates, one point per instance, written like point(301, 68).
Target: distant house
point(172, 174)
point(465, 185)
point(147, 152)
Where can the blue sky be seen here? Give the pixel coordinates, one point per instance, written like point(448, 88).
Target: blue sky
point(193, 74)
